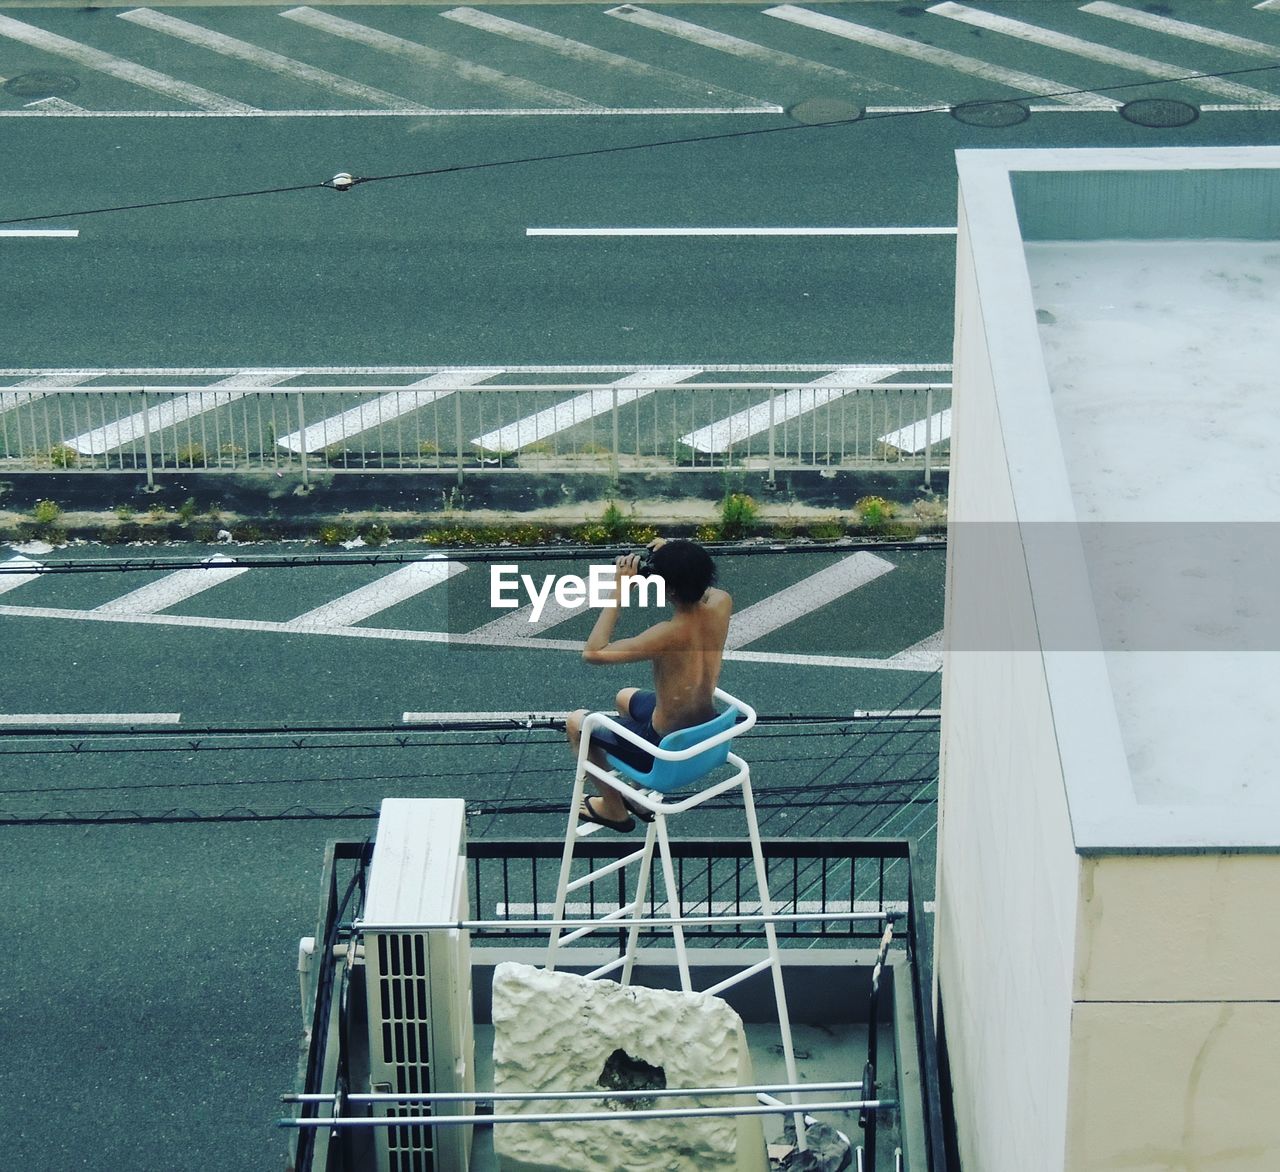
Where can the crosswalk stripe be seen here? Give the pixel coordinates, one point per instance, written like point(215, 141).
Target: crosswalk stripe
point(579, 409)
point(912, 438)
point(383, 409)
point(174, 588)
point(724, 43)
point(1182, 28)
point(723, 433)
point(1095, 52)
point(805, 596)
point(12, 397)
point(589, 54)
point(388, 590)
point(1027, 83)
point(117, 67)
point(116, 434)
point(10, 580)
point(218, 42)
point(516, 87)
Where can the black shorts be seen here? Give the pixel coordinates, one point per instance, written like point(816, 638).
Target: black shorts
point(639, 721)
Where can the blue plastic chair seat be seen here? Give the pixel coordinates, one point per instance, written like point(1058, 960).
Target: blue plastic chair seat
point(666, 776)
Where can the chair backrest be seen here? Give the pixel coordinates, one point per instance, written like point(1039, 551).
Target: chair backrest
point(666, 776)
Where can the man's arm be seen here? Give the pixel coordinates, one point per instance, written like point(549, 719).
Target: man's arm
point(601, 648)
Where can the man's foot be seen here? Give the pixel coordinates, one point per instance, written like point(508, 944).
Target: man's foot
point(641, 814)
point(587, 812)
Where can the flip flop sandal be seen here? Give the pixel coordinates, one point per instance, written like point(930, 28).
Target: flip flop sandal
point(587, 813)
point(641, 814)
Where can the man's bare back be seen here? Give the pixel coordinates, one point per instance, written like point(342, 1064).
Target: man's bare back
point(686, 673)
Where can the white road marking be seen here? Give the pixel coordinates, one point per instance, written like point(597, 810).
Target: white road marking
point(11, 398)
point(724, 43)
point(408, 112)
point(174, 588)
point(383, 409)
point(69, 232)
point(618, 368)
point(116, 67)
point(723, 433)
point(807, 595)
point(1181, 28)
point(54, 106)
point(1092, 51)
point(516, 87)
point(579, 409)
point(395, 587)
point(1268, 6)
point(923, 656)
point(126, 719)
point(217, 42)
point(589, 54)
point(740, 231)
point(394, 635)
point(912, 437)
point(517, 625)
point(10, 580)
point(1228, 108)
point(1015, 79)
point(114, 435)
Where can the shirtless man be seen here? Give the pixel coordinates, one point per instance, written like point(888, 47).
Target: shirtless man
point(685, 651)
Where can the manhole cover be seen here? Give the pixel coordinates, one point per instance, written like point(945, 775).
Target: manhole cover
point(990, 114)
point(818, 110)
point(42, 83)
point(1160, 113)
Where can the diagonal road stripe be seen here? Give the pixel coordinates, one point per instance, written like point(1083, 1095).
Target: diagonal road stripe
point(377, 596)
point(1015, 79)
point(807, 595)
point(579, 409)
point(915, 437)
point(589, 54)
point(264, 58)
point(10, 580)
point(117, 67)
point(174, 588)
point(12, 397)
point(749, 50)
point(723, 433)
point(1094, 52)
point(923, 656)
point(114, 435)
point(1184, 29)
point(383, 409)
point(516, 87)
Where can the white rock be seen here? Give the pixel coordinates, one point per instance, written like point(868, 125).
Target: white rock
point(556, 1031)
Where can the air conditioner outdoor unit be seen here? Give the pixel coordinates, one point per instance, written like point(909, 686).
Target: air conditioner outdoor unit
point(418, 983)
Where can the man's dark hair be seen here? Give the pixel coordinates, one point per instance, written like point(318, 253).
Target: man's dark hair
point(685, 567)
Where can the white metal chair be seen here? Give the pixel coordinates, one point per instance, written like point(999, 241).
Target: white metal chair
point(682, 759)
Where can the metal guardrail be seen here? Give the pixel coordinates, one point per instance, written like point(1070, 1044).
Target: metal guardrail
point(463, 428)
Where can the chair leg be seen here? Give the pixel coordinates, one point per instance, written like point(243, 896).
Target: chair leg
point(674, 901)
point(566, 866)
point(642, 889)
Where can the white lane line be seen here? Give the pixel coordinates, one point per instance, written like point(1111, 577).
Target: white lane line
point(618, 368)
point(516, 87)
point(68, 232)
point(923, 656)
point(409, 112)
point(118, 68)
point(174, 588)
point(1092, 51)
point(590, 55)
point(265, 59)
point(723, 433)
point(724, 43)
point(740, 231)
point(912, 437)
point(807, 595)
point(78, 718)
point(114, 435)
point(579, 409)
point(1027, 83)
point(10, 397)
point(383, 409)
point(395, 587)
point(405, 636)
point(1181, 28)
point(10, 580)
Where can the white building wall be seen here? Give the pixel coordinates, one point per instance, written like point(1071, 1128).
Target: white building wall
point(1007, 871)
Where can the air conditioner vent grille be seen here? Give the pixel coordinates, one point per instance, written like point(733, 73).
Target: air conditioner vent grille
point(406, 1043)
